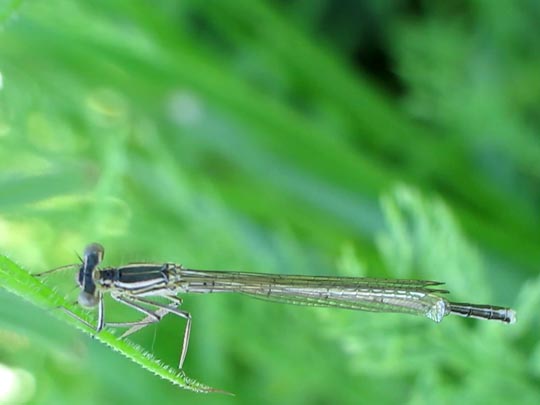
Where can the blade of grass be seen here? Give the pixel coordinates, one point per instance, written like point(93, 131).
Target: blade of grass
point(18, 281)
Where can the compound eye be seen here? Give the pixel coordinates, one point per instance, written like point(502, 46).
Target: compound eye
point(94, 249)
point(87, 300)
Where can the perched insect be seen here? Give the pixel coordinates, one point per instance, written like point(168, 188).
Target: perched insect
point(136, 284)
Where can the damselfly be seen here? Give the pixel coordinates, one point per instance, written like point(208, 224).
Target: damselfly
point(136, 284)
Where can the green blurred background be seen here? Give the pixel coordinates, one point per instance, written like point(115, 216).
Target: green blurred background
point(391, 139)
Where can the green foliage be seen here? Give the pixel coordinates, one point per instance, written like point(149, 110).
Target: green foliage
point(239, 135)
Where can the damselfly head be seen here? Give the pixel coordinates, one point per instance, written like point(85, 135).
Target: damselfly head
point(93, 255)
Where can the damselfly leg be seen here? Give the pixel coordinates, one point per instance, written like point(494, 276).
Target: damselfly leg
point(154, 317)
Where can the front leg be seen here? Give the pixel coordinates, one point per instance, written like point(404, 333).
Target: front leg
point(101, 316)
